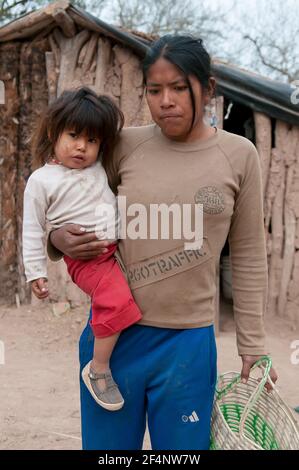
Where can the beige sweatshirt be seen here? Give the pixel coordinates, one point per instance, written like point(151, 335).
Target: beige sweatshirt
point(175, 288)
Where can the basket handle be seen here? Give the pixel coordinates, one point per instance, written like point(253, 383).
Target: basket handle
point(263, 361)
point(267, 363)
point(237, 379)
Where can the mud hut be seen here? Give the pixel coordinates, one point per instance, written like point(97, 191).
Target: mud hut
point(60, 46)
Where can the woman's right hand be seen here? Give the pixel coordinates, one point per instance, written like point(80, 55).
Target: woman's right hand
point(73, 241)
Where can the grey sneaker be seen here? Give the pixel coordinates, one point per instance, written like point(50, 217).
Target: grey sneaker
point(110, 398)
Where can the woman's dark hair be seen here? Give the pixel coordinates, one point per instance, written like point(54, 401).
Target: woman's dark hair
point(185, 52)
point(81, 110)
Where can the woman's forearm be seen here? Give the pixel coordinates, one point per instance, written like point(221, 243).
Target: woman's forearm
point(53, 252)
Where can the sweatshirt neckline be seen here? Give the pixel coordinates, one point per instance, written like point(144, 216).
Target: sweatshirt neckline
point(70, 169)
point(189, 146)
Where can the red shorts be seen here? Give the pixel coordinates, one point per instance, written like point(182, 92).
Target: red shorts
point(113, 306)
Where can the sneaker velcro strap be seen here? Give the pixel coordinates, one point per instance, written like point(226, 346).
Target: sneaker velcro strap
point(95, 376)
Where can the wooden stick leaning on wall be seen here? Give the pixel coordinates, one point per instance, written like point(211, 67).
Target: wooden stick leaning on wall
point(51, 76)
point(131, 77)
point(275, 261)
point(70, 50)
point(103, 61)
point(263, 137)
point(290, 145)
point(274, 211)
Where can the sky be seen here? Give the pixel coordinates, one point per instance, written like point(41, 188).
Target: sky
point(277, 20)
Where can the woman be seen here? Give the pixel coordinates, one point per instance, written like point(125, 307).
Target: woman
point(166, 365)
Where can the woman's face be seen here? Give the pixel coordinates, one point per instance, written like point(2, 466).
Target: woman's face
point(169, 100)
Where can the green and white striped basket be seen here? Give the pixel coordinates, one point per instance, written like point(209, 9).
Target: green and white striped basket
point(247, 417)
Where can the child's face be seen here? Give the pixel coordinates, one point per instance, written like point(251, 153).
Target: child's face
point(76, 151)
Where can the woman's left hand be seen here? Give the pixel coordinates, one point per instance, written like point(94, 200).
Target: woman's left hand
point(248, 362)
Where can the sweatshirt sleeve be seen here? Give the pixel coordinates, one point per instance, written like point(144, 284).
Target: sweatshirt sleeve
point(249, 260)
point(34, 232)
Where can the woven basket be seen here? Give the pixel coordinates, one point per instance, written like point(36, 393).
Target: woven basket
point(247, 417)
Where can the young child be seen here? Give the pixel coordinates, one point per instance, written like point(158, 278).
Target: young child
point(71, 186)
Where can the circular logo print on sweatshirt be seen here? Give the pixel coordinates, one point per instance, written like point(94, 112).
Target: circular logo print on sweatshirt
point(211, 198)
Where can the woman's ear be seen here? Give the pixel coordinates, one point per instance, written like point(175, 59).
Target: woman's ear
point(210, 90)
point(212, 87)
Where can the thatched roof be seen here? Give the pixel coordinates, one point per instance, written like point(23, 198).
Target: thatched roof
point(259, 93)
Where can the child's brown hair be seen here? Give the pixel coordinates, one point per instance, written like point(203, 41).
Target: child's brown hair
point(82, 111)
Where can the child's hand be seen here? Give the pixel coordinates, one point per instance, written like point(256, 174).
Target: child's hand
point(39, 288)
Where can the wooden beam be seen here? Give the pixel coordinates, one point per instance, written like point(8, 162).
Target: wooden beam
point(276, 217)
point(297, 237)
point(263, 140)
point(65, 22)
point(289, 246)
point(90, 53)
point(33, 22)
point(131, 78)
point(2, 92)
point(70, 49)
point(289, 147)
point(103, 60)
point(51, 76)
point(293, 291)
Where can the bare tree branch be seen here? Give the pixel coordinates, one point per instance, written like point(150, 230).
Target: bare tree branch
point(14, 8)
point(170, 16)
point(269, 32)
point(282, 70)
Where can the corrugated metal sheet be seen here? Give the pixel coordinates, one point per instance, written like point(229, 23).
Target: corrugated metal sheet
point(260, 94)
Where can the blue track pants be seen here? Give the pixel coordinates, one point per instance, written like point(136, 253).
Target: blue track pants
point(165, 374)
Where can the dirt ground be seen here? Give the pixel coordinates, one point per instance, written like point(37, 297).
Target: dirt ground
point(40, 348)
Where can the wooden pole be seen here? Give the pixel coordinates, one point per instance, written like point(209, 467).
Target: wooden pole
point(70, 49)
point(289, 218)
point(276, 218)
point(263, 140)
